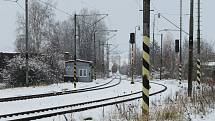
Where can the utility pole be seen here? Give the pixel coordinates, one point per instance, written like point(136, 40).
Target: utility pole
point(129, 60)
point(95, 60)
point(180, 53)
point(94, 46)
point(190, 73)
point(135, 56)
point(79, 41)
point(103, 60)
point(198, 47)
point(146, 56)
point(119, 64)
point(99, 60)
point(153, 43)
point(161, 63)
point(107, 49)
point(26, 44)
point(75, 69)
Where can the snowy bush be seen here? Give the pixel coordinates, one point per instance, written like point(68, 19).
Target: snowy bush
point(56, 65)
point(1, 76)
point(39, 72)
point(4, 76)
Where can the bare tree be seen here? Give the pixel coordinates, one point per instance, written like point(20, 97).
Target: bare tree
point(41, 17)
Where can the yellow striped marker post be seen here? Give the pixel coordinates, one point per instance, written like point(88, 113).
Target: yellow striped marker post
point(145, 59)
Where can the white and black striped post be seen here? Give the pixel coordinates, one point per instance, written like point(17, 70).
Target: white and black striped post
point(75, 69)
point(180, 72)
point(180, 53)
point(198, 47)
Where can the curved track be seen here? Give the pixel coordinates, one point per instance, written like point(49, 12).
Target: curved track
point(98, 87)
point(67, 108)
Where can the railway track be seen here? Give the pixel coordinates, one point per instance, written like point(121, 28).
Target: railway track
point(59, 110)
point(93, 88)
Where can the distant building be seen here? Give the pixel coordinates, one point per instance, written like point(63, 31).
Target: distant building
point(208, 70)
point(84, 69)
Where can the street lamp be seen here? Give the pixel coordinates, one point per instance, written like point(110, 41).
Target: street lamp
point(153, 42)
point(136, 28)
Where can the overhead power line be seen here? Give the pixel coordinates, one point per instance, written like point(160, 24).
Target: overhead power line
point(54, 7)
point(15, 1)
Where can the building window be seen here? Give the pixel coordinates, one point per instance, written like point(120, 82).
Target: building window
point(82, 72)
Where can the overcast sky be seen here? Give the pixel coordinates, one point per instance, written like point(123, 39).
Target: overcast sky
point(124, 15)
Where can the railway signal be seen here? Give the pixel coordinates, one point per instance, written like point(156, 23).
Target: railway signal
point(176, 45)
point(132, 42)
point(177, 50)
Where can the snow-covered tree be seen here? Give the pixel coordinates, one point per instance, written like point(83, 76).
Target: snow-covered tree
point(39, 72)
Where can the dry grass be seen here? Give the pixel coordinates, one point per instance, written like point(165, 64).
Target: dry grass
point(178, 107)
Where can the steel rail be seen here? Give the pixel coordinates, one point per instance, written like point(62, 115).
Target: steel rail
point(79, 109)
point(9, 99)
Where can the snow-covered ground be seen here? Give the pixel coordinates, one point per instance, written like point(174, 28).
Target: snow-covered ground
point(21, 91)
point(210, 117)
point(97, 114)
point(25, 105)
point(19, 106)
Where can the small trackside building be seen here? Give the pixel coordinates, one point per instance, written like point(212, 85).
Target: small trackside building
point(84, 69)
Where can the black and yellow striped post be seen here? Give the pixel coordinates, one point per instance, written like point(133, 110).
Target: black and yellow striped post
point(146, 56)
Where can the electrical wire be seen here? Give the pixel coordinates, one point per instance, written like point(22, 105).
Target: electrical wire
point(15, 1)
point(60, 10)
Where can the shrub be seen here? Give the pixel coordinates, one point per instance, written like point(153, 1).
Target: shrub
point(39, 72)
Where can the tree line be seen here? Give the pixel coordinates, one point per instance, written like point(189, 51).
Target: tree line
point(49, 39)
point(171, 58)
